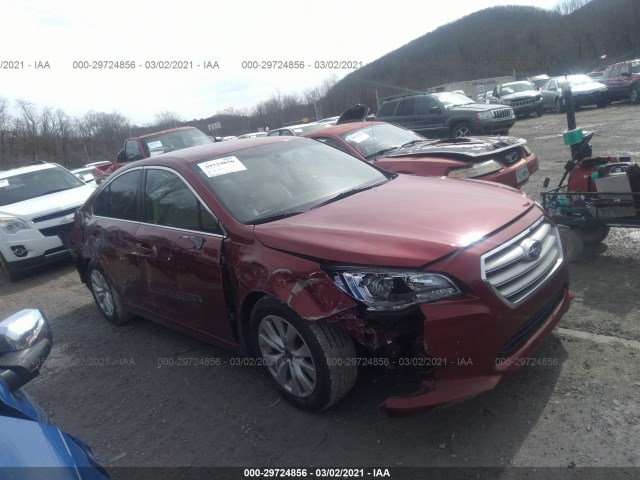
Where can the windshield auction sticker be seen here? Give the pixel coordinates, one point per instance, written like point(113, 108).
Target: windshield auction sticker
point(221, 166)
point(358, 137)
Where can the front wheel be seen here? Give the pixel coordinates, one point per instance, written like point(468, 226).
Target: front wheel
point(106, 297)
point(573, 243)
point(312, 364)
point(8, 273)
point(462, 130)
point(634, 94)
point(594, 234)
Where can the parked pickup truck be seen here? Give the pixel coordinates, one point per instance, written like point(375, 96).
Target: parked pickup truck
point(623, 80)
point(150, 145)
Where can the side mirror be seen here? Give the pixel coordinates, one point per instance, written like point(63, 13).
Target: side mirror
point(435, 110)
point(25, 343)
point(121, 157)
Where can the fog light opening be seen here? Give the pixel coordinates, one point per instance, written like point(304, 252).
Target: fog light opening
point(19, 251)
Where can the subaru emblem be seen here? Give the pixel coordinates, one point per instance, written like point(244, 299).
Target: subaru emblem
point(531, 248)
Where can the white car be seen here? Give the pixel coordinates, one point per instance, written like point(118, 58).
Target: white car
point(86, 175)
point(37, 203)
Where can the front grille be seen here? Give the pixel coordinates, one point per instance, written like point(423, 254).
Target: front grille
point(51, 216)
point(518, 268)
point(523, 102)
point(57, 230)
point(529, 328)
point(502, 113)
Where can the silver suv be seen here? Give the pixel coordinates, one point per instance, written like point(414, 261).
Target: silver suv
point(37, 204)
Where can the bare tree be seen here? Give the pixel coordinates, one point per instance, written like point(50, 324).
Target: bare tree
point(565, 7)
point(167, 119)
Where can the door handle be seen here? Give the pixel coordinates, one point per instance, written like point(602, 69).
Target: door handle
point(195, 242)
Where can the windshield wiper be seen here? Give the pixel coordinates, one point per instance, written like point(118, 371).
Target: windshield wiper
point(345, 194)
point(381, 152)
point(273, 218)
point(412, 142)
point(57, 190)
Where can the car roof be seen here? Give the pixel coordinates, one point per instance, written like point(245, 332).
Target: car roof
point(290, 127)
point(30, 168)
point(406, 95)
point(516, 82)
point(153, 134)
point(202, 152)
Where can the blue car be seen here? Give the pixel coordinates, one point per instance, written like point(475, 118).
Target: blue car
point(31, 447)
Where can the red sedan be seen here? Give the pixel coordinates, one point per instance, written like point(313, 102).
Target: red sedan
point(296, 253)
point(504, 160)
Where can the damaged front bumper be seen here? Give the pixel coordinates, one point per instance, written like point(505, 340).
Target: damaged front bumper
point(459, 377)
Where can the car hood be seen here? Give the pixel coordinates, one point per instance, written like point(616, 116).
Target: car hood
point(521, 95)
point(587, 88)
point(51, 203)
point(355, 113)
point(407, 222)
point(472, 148)
point(477, 107)
point(36, 445)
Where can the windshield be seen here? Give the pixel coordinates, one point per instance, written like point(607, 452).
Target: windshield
point(369, 141)
point(175, 140)
point(25, 186)
point(264, 183)
point(450, 99)
point(509, 88)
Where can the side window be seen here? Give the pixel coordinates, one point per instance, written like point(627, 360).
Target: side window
point(132, 150)
point(387, 109)
point(425, 104)
point(170, 202)
point(119, 198)
point(286, 133)
point(407, 107)
point(624, 70)
point(615, 72)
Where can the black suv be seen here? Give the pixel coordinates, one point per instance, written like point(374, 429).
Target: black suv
point(446, 115)
point(522, 96)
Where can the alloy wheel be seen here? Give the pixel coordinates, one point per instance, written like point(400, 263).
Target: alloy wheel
point(102, 292)
point(287, 356)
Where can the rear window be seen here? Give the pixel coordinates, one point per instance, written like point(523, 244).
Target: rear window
point(387, 109)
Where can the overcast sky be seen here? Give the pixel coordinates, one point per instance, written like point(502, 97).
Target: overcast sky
point(62, 32)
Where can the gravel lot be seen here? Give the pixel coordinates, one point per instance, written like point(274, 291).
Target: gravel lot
point(113, 387)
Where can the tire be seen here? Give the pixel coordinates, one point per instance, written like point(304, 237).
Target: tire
point(308, 362)
point(595, 234)
point(634, 94)
point(461, 130)
point(573, 243)
point(559, 105)
point(8, 273)
point(106, 297)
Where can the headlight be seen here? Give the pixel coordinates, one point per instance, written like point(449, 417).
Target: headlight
point(477, 170)
point(12, 225)
point(390, 290)
point(484, 115)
